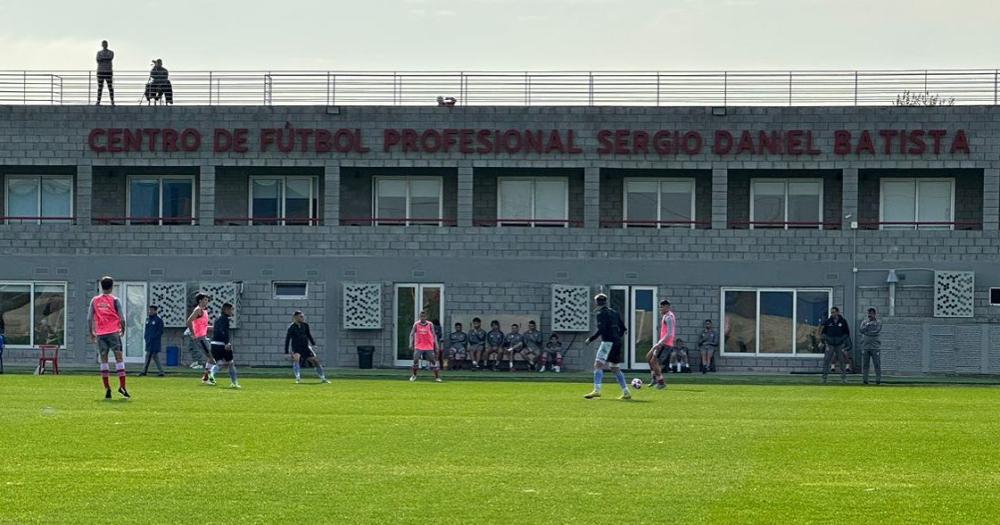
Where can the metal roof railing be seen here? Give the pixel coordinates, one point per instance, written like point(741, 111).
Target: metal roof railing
point(508, 88)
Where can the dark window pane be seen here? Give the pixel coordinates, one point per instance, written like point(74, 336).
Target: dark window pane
point(776, 322)
point(15, 306)
point(265, 201)
point(144, 201)
point(811, 309)
point(177, 201)
point(50, 303)
point(740, 323)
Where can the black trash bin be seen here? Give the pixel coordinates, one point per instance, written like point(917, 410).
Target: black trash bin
point(365, 354)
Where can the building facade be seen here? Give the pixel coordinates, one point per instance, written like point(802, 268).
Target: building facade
point(760, 219)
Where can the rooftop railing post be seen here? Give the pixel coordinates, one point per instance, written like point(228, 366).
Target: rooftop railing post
point(209, 88)
point(725, 88)
point(855, 88)
point(590, 90)
point(995, 74)
point(333, 91)
point(527, 89)
point(327, 88)
point(657, 89)
point(89, 87)
point(52, 89)
point(24, 87)
point(925, 82)
point(789, 88)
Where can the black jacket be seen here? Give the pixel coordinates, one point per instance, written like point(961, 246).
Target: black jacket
point(299, 337)
point(835, 330)
point(610, 326)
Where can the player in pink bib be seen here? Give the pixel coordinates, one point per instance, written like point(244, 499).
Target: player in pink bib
point(197, 322)
point(424, 343)
point(664, 345)
point(107, 327)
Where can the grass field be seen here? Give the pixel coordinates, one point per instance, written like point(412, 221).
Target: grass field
point(388, 451)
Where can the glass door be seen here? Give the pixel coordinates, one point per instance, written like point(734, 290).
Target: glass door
point(638, 308)
point(410, 300)
point(134, 299)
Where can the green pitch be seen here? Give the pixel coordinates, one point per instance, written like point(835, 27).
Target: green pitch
point(388, 451)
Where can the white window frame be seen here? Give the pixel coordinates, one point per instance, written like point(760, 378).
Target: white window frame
point(31, 310)
point(819, 181)
point(160, 179)
point(531, 221)
point(38, 180)
point(659, 196)
point(916, 204)
point(274, 290)
point(407, 180)
point(795, 311)
point(280, 219)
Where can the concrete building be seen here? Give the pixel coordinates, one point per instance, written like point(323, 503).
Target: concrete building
point(759, 217)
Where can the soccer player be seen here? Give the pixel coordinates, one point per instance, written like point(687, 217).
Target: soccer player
point(222, 347)
point(494, 345)
point(424, 343)
point(553, 354)
point(197, 322)
point(513, 344)
point(107, 327)
point(708, 343)
point(302, 342)
point(610, 328)
point(532, 345)
point(458, 342)
point(477, 342)
point(834, 331)
point(871, 345)
point(668, 333)
point(679, 357)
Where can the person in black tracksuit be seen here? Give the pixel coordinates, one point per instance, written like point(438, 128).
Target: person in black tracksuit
point(834, 332)
point(301, 340)
point(610, 329)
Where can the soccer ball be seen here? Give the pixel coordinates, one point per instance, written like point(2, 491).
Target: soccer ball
point(637, 383)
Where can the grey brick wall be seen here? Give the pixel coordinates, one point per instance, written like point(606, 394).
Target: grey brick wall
point(477, 265)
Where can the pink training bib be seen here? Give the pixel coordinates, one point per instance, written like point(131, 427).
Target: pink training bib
point(668, 329)
point(200, 325)
point(106, 317)
point(423, 336)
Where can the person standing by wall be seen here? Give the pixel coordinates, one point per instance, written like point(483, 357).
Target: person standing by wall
point(708, 344)
point(834, 332)
point(871, 345)
point(105, 72)
point(153, 336)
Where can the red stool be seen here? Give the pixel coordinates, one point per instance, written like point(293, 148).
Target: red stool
point(48, 354)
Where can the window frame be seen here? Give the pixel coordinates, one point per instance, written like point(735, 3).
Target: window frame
point(159, 180)
point(532, 221)
point(31, 310)
point(405, 221)
point(795, 307)
point(916, 202)
point(786, 182)
point(659, 200)
point(277, 296)
point(39, 219)
point(281, 219)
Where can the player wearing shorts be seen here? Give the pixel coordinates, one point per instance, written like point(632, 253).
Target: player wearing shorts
point(532, 345)
point(302, 343)
point(513, 344)
point(458, 342)
point(679, 357)
point(553, 354)
point(610, 328)
point(477, 342)
point(665, 344)
point(222, 347)
point(494, 346)
point(107, 327)
point(424, 343)
point(197, 322)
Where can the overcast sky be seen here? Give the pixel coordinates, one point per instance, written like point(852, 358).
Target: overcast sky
point(503, 34)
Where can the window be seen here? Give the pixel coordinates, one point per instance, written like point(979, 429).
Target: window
point(160, 200)
point(784, 203)
point(290, 290)
point(925, 204)
point(39, 198)
point(284, 200)
point(408, 200)
point(533, 202)
point(659, 203)
point(34, 313)
point(994, 296)
point(782, 322)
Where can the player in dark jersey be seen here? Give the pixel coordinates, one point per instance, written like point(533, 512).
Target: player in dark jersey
point(610, 328)
point(477, 343)
point(302, 343)
point(494, 346)
point(222, 347)
point(457, 351)
point(513, 344)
